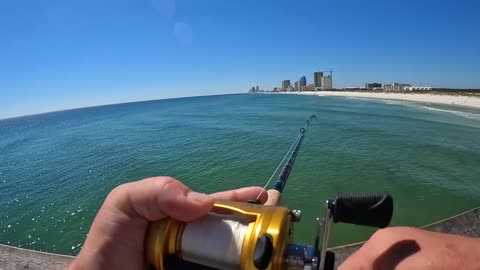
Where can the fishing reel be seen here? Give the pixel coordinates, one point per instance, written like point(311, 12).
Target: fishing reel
point(248, 236)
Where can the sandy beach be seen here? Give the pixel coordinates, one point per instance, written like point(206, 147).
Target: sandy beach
point(445, 99)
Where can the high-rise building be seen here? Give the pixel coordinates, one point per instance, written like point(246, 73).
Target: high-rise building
point(327, 82)
point(302, 81)
point(309, 87)
point(317, 79)
point(285, 85)
point(373, 85)
point(257, 88)
point(297, 88)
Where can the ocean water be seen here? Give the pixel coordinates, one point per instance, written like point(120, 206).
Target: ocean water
point(56, 168)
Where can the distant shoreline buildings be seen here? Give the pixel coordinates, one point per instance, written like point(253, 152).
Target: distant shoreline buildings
point(325, 83)
point(395, 87)
point(321, 83)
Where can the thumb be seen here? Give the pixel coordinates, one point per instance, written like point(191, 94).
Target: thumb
point(159, 197)
point(116, 237)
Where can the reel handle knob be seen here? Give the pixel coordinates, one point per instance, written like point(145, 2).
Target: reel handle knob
point(263, 251)
point(329, 260)
point(369, 209)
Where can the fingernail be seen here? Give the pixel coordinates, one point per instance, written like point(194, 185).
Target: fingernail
point(198, 197)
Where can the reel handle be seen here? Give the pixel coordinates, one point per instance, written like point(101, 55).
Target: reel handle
point(369, 209)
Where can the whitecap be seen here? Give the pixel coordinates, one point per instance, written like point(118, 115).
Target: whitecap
point(468, 115)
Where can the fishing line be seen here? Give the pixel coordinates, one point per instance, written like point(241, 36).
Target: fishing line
point(300, 136)
point(280, 164)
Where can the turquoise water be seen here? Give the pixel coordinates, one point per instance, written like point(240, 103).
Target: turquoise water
point(56, 168)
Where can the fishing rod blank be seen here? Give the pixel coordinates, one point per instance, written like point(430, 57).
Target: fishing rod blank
point(274, 193)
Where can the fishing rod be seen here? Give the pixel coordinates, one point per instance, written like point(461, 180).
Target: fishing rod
point(237, 235)
point(274, 193)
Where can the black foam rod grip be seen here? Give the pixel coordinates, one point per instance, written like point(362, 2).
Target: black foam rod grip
point(369, 209)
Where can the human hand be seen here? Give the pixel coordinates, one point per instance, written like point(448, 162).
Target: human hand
point(116, 237)
point(404, 248)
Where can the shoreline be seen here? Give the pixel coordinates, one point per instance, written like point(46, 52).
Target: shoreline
point(465, 101)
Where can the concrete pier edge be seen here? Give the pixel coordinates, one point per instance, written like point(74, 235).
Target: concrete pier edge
point(13, 258)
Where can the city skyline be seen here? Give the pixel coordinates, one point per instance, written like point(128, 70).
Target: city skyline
point(322, 82)
point(60, 55)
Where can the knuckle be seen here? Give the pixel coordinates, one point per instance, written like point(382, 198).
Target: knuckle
point(381, 234)
point(168, 184)
point(392, 233)
point(118, 191)
point(166, 179)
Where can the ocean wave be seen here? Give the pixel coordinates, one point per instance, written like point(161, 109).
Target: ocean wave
point(468, 115)
point(384, 101)
point(397, 102)
point(361, 98)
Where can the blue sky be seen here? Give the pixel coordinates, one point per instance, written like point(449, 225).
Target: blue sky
point(57, 54)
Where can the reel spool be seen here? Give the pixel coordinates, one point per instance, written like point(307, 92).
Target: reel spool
point(248, 236)
point(233, 236)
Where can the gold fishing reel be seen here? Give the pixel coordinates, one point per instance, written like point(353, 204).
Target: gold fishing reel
point(257, 237)
point(247, 236)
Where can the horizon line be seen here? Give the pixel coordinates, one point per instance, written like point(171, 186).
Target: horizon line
point(111, 104)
